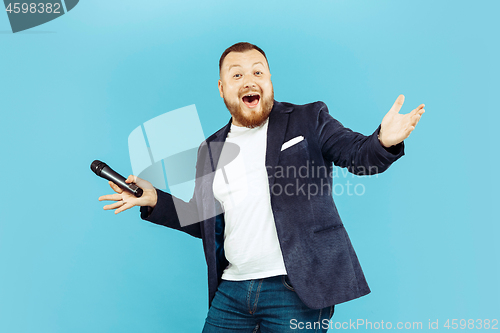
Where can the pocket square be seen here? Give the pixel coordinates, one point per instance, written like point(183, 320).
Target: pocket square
point(292, 142)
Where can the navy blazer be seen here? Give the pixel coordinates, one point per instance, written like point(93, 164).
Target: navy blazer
point(319, 259)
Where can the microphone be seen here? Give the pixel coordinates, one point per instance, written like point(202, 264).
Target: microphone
point(103, 170)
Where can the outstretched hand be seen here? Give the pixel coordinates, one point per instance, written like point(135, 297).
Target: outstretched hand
point(125, 200)
point(396, 127)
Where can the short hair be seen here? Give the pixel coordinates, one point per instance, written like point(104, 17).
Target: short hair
point(240, 47)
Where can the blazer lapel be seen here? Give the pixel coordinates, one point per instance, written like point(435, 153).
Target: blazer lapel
point(213, 224)
point(278, 121)
point(214, 149)
point(215, 144)
point(276, 130)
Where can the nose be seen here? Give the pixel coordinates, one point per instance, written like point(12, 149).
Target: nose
point(249, 83)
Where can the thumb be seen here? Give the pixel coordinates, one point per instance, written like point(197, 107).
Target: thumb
point(397, 104)
point(142, 183)
point(131, 179)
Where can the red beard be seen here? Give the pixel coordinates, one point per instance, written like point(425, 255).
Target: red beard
point(256, 119)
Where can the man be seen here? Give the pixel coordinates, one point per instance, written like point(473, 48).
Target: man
point(278, 256)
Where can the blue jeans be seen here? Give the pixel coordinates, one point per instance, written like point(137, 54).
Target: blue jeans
point(268, 305)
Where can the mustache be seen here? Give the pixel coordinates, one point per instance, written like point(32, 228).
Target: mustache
point(250, 91)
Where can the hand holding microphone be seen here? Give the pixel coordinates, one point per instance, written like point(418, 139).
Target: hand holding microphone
point(132, 191)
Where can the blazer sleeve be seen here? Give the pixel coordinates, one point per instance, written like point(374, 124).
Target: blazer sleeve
point(360, 154)
point(165, 213)
point(170, 210)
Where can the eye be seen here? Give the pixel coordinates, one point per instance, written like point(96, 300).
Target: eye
point(258, 73)
point(237, 76)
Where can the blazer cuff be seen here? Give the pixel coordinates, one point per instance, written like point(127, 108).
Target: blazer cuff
point(158, 212)
point(392, 152)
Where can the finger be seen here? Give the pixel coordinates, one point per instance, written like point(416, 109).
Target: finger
point(114, 206)
point(416, 118)
point(414, 122)
point(115, 197)
point(115, 187)
point(131, 179)
point(128, 205)
point(397, 104)
point(418, 115)
point(144, 184)
point(409, 130)
point(418, 110)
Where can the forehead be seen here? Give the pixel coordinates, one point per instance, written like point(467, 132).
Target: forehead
point(247, 58)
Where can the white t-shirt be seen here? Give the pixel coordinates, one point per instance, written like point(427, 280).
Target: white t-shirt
point(250, 239)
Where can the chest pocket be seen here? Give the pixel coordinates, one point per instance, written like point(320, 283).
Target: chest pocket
point(296, 151)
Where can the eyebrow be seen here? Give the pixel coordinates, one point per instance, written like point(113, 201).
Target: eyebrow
point(258, 62)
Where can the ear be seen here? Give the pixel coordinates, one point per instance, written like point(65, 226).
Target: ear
point(220, 89)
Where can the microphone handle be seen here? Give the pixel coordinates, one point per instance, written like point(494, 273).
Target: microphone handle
point(119, 180)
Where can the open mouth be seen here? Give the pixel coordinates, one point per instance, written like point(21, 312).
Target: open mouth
point(251, 100)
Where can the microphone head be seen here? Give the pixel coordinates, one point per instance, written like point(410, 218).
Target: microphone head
point(97, 167)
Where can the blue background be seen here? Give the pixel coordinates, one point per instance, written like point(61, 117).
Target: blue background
point(73, 89)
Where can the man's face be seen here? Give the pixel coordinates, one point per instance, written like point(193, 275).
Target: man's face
point(246, 87)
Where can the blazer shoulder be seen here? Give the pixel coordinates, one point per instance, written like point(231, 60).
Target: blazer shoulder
point(218, 135)
point(214, 135)
point(307, 111)
point(314, 106)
